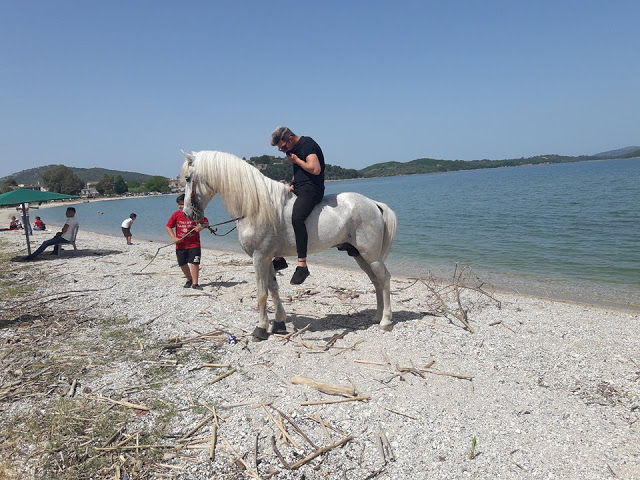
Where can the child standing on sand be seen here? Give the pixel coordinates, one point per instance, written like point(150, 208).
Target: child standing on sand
point(126, 227)
point(187, 240)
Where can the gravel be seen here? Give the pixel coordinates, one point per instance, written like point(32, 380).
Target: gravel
point(553, 388)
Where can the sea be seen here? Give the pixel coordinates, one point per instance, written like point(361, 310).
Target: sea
point(568, 231)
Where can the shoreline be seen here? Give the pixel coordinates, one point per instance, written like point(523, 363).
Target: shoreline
point(573, 295)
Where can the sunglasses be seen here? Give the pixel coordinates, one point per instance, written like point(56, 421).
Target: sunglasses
point(283, 148)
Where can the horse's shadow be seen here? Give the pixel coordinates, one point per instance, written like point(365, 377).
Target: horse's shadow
point(361, 320)
point(67, 254)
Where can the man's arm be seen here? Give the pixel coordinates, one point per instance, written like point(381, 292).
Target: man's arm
point(311, 164)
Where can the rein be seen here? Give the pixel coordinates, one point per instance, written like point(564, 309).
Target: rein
point(210, 228)
point(215, 230)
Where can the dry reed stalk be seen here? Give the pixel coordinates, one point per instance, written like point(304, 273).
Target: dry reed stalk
point(327, 402)
point(320, 451)
point(324, 387)
point(224, 375)
point(118, 402)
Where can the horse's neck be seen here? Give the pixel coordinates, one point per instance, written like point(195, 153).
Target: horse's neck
point(231, 203)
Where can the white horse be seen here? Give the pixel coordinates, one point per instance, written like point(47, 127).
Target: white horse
point(349, 221)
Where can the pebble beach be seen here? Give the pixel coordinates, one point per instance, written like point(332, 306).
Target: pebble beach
point(470, 383)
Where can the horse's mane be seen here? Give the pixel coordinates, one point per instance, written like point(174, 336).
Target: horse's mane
point(243, 188)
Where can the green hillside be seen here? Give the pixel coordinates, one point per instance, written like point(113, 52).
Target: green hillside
point(34, 175)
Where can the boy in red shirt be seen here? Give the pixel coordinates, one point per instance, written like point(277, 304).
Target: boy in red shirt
point(187, 240)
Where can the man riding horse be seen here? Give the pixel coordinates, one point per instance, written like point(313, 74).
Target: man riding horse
point(308, 185)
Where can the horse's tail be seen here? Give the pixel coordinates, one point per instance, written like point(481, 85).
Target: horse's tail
point(390, 227)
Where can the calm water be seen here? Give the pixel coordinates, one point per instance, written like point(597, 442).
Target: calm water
point(564, 230)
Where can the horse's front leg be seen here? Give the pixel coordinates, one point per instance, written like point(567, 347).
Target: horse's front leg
point(262, 267)
point(279, 325)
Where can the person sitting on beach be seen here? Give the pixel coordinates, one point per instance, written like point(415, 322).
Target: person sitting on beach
point(126, 227)
point(14, 224)
point(187, 240)
point(38, 224)
point(61, 237)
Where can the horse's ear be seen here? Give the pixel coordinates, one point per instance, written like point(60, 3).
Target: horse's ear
point(189, 156)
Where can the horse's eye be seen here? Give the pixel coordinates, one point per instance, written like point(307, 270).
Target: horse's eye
point(187, 179)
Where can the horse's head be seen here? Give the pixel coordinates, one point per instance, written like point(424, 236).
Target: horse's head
point(197, 193)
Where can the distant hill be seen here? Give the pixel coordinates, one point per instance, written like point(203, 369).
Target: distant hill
point(430, 165)
point(279, 169)
point(628, 152)
point(34, 175)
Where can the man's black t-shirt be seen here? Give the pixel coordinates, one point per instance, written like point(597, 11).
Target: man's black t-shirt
point(303, 180)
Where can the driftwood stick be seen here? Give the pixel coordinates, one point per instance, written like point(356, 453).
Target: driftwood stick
point(387, 446)
point(255, 451)
point(447, 374)
point(284, 432)
point(278, 454)
point(380, 449)
point(118, 402)
point(295, 427)
point(324, 387)
point(72, 388)
point(216, 365)
point(224, 375)
point(320, 451)
point(114, 437)
point(197, 427)
point(463, 312)
point(327, 402)
point(325, 429)
point(214, 436)
point(250, 472)
point(382, 364)
point(289, 336)
point(400, 413)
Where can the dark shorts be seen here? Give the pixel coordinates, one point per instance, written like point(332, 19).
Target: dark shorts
point(126, 231)
point(190, 255)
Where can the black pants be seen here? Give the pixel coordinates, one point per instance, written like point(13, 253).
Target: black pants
point(301, 210)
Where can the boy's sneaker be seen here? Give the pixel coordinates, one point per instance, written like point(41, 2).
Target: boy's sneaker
point(196, 286)
point(279, 264)
point(188, 284)
point(300, 275)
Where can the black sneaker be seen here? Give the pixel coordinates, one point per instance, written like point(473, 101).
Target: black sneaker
point(279, 264)
point(300, 275)
point(196, 286)
point(188, 284)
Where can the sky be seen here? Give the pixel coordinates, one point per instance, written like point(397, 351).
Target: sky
point(126, 85)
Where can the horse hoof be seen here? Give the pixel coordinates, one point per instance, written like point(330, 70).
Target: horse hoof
point(259, 334)
point(387, 328)
point(280, 328)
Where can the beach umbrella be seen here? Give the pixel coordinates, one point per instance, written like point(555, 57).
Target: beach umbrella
point(20, 196)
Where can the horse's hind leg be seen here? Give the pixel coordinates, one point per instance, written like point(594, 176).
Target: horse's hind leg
point(381, 280)
point(279, 325)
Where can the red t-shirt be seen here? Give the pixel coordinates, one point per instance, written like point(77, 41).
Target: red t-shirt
point(182, 224)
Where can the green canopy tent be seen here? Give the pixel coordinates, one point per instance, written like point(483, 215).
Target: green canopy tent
point(21, 196)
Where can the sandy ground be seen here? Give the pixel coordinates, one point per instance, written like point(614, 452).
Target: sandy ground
point(540, 389)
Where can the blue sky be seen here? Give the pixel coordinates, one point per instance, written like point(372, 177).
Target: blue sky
point(127, 84)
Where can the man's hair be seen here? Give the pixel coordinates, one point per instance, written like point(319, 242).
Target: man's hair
point(71, 209)
point(133, 215)
point(180, 198)
point(281, 134)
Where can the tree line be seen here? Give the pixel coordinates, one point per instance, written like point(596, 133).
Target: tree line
point(61, 179)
